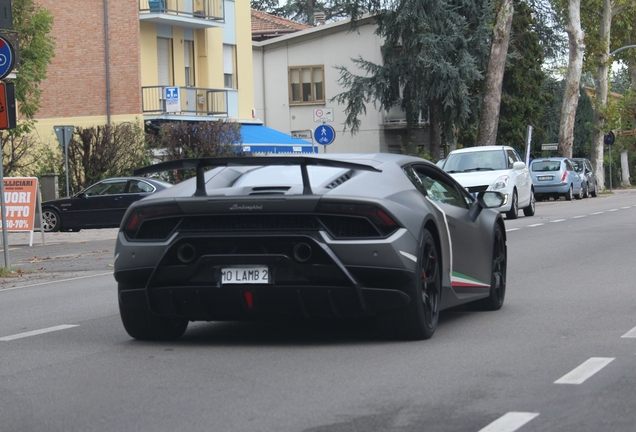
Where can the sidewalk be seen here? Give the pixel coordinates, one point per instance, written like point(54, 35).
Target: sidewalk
point(22, 238)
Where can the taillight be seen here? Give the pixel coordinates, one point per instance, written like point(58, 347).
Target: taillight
point(375, 215)
point(565, 174)
point(135, 220)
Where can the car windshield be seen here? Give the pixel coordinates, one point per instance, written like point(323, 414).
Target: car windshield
point(546, 165)
point(287, 175)
point(488, 160)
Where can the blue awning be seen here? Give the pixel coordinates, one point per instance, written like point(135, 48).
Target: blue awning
point(261, 139)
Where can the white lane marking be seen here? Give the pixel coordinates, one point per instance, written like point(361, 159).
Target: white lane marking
point(597, 213)
point(534, 225)
point(612, 210)
point(513, 229)
point(38, 332)
point(54, 281)
point(627, 207)
point(585, 370)
point(578, 217)
point(509, 422)
point(630, 334)
point(557, 220)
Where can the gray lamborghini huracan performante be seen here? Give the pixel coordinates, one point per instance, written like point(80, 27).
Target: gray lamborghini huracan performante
point(341, 235)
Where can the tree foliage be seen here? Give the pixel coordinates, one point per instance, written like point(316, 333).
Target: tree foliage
point(304, 10)
point(433, 54)
point(522, 100)
point(183, 140)
point(99, 152)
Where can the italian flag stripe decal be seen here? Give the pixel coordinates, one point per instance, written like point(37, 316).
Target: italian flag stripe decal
point(461, 280)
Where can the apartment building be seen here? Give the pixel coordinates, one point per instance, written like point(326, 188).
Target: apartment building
point(147, 60)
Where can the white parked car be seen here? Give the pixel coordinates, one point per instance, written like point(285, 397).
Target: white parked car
point(494, 168)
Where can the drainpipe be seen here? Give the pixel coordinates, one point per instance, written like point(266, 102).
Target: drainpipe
point(106, 51)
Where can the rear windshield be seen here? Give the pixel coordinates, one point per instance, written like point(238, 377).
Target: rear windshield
point(542, 166)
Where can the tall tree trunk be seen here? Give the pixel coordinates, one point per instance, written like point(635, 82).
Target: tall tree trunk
point(489, 115)
point(624, 169)
point(435, 132)
point(601, 93)
point(572, 80)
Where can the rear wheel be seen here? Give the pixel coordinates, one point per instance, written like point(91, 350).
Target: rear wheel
point(586, 191)
point(580, 195)
point(142, 324)
point(594, 193)
point(495, 299)
point(51, 220)
point(529, 211)
point(419, 319)
point(569, 194)
point(514, 207)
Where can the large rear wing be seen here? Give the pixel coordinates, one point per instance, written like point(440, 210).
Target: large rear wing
point(201, 164)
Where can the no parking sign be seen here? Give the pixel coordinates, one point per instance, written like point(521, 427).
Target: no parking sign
point(7, 57)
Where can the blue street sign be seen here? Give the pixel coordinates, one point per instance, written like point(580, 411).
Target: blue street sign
point(608, 138)
point(7, 57)
point(324, 134)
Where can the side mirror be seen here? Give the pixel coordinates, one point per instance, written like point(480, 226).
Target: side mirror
point(518, 165)
point(488, 199)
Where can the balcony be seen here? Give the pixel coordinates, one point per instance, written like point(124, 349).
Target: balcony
point(195, 14)
point(192, 101)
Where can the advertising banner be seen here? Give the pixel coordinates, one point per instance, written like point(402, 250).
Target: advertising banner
point(20, 196)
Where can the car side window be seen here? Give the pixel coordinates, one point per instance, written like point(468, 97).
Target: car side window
point(437, 186)
point(106, 188)
point(138, 186)
point(512, 157)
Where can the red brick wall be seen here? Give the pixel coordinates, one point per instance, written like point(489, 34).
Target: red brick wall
point(76, 80)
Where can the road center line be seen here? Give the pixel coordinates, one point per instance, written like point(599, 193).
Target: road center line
point(598, 213)
point(585, 371)
point(630, 334)
point(512, 229)
point(557, 220)
point(534, 225)
point(509, 422)
point(627, 207)
point(38, 332)
point(612, 210)
point(578, 217)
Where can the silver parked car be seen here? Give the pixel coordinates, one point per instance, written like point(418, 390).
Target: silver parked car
point(590, 183)
point(555, 177)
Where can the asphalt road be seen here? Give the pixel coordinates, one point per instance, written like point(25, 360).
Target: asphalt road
point(559, 356)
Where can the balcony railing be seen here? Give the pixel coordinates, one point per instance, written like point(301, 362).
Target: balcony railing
point(210, 10)
point(192, 101)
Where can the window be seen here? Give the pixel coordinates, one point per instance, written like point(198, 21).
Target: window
point(111, 187)
point(229, 66)
point(164, 61)
point(188, 52)
point(306, 85)
point(437, 187)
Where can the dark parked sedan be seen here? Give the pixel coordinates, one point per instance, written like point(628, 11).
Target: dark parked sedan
point(101, 205)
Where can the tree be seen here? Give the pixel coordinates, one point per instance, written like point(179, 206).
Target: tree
point(522, 100)
point(33, 25)
point(433, 55)
point(304, 10)
point(489, 114)
point(183, 140)
point(99, 152)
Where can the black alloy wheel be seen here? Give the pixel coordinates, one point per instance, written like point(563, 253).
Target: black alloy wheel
point(495, 299)
point(418, 320)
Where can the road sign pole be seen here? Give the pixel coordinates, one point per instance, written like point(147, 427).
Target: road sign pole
point(66, 160)
point(5, 238)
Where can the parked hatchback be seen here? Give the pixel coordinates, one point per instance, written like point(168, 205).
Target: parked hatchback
point(590, 183)
point(494, 168)
point(555, 177)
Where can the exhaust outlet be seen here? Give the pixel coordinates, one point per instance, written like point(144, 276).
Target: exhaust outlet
point(186, 253)
point(302, 252)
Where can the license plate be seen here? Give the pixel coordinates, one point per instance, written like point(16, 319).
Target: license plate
point(544, 178)
point(245, 275)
